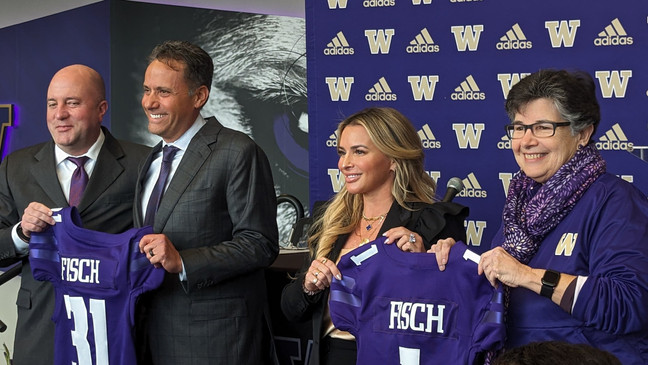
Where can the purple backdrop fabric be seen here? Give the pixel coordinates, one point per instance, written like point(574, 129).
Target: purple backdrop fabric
point(448, 66)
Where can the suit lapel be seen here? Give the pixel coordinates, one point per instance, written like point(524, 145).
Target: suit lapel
point(44, 172)
point(106, 171)
point(198, 151)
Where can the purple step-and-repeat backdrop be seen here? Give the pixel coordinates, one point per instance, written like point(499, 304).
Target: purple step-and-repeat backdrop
point(448, 66)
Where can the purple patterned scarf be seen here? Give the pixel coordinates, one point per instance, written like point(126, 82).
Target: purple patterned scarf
point(528, 217)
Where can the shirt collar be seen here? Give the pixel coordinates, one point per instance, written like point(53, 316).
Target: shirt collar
point(93, 151)
point(184, 140)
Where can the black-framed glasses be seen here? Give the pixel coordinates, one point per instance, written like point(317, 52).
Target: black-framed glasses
point(539, 129)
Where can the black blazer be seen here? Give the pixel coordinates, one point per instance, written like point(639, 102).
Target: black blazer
point(29, 175)
point(433, 222)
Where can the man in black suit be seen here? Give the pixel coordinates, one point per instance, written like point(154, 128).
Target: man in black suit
point(37, 178)
point(215, 227)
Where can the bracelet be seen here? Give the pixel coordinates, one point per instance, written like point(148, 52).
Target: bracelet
point(21, 235)
point(310, 293)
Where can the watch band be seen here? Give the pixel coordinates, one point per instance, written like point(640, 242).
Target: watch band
point(549, 282)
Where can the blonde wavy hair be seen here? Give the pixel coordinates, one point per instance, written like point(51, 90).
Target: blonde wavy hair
point(395, 136)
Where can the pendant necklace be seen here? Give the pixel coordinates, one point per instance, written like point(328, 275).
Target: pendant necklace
point(370, 227)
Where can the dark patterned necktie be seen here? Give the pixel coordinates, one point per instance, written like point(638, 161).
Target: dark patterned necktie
point(156, 195)
point(79, 180)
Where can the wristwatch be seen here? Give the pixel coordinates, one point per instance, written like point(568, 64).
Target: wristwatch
point(550, 280)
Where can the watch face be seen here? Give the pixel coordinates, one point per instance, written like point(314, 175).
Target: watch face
point(551, 278)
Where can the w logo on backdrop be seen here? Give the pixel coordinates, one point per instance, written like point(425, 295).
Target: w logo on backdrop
point(613, 82)
point(334, 4)
point(379, 40)
point(562, 33)
point(339, 87)
point(467, 36)
point(423, 86)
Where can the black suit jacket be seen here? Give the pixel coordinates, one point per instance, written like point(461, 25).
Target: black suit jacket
point(29, 175)
point(219, 212)
point(432, 222)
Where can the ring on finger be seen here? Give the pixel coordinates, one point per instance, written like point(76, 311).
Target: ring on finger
point(151, 252)
point(412, 238)
point(324, 261)
point(315, 281)
point(316, 273)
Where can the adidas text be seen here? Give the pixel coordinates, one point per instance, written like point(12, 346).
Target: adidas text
point(380, 97)
point(613, 41)
point(431, 144)
point(338, 51)
point(615, 146)
point(378, 3)
point(471, 193)
point(514, 45)
point(504, 145)
point(423, 48)
point(466, 95)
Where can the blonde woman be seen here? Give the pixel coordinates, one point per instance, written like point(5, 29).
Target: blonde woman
point(386, 193)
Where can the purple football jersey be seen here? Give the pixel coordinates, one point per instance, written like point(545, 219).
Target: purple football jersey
point(97, 278)
point(403, 310)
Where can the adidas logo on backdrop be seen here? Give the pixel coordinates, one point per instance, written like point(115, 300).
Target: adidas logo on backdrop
point(472, 188)
point(332, 140)
point(514, 39)
point(380, 92)
point(338, 46)
point(614, 140)
point(422, 43)
point(613, 35)
point(504, 143)
point(427, 138)
point(468, 90)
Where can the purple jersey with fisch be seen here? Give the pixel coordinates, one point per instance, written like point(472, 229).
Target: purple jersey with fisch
point(403, 310)
point(97, 278)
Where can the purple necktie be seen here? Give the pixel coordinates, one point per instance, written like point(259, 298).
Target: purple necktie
point(79, 180)
point(156, 195)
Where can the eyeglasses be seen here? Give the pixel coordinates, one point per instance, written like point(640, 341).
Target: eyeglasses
point(539, 129)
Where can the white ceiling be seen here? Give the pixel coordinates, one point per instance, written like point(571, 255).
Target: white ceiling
point(18, 11)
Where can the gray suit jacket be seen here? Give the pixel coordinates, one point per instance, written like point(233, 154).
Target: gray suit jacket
point(29, 175)
point(219, 211)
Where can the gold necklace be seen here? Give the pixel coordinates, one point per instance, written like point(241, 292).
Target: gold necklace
point(370, 228)
point(372, 219)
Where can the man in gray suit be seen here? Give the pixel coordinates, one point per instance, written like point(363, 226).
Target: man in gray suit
point(215, 227)
point(37, 178)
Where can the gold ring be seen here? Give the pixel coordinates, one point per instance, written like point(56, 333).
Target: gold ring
point(324, 261)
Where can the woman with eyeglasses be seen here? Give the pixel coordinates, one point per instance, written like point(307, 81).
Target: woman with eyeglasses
point(572, 251)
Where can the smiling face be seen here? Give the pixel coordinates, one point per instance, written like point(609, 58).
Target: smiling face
point(75, 108)
point(365, 168)
point(169, 105)
point(540, 158)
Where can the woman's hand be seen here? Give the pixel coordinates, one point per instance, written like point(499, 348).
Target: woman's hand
point(442, 250)
point(405, 239)
point(320, 274)
point(499, 265)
